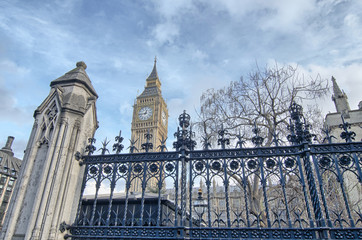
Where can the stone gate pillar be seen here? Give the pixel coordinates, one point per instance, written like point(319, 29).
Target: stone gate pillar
point(48, 188)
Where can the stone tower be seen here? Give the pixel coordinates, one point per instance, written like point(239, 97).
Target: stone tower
point(340, 99)
point(9, 170)
point(353, 117)
point(48, 188)
point(150, 114)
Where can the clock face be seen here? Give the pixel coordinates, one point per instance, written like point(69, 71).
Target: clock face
point(163, 117)
point(145, 113)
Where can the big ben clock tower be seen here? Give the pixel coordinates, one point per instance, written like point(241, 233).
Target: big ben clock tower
point(150, 114)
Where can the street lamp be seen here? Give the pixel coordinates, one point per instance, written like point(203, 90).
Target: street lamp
point(200, 206)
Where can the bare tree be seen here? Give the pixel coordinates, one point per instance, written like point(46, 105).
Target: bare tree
point(262, 99)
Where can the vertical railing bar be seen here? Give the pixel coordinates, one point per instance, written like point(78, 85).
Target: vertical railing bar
point(133, 214)
point(176, 192)
point(98, 184)
point(355, 159)
point(128, 186)
point(341, 182)
point(311, 222)
point(245, 193)
point(100, 216)
point(85, 217)
point(183, 188)
point(116, 213)
point(226, 186)
point(144, 184)
point(85, 179)
point(191, 184)
point(149, 216)
point(160, 184)
point(284, 193)
point(113, 185)
point(314, 192)
point(321, 189)
point(356, 162)
point(263, 183)
point(208, 183)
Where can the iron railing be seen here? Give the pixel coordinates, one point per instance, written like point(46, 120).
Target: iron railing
point(302, 191)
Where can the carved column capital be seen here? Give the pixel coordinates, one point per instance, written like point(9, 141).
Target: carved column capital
point(77, 123)
point(63, 121)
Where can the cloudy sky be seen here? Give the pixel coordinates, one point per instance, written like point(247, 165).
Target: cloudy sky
point(199, 44)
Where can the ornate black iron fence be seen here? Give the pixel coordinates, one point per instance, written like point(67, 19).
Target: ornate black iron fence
point(303, 191)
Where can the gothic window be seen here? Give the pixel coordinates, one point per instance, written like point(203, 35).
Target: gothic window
point(11, 182)
point(49, 119)
point(52, 111)
point(222, 203)
point(2, 180)
point(2, 183)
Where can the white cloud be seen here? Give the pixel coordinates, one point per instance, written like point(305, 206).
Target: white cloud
point(9, 66)
point(170, 9)
point(67, 5)
point(170, 14)
point(351, 20)
point(199, 55)
point(104, 188)
point(165, 33)
point(9, 110)
point(126, 108)
point(287, 15)
point(275, 14)
point(235, 8)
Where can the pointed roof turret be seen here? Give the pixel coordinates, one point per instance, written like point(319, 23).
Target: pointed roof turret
point(153, 84)
point(78, 74)
point(339, 98)
point(336, 90)
point(7, 147)
point(8, 163)
point(153, 74)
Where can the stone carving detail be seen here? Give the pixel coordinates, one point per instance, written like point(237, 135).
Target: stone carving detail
point(49, 121)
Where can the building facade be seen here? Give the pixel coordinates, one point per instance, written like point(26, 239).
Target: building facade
point(9, 170)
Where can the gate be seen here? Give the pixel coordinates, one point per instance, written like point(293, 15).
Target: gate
point(301, 191)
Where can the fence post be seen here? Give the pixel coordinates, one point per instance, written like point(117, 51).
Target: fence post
point(318, 214)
